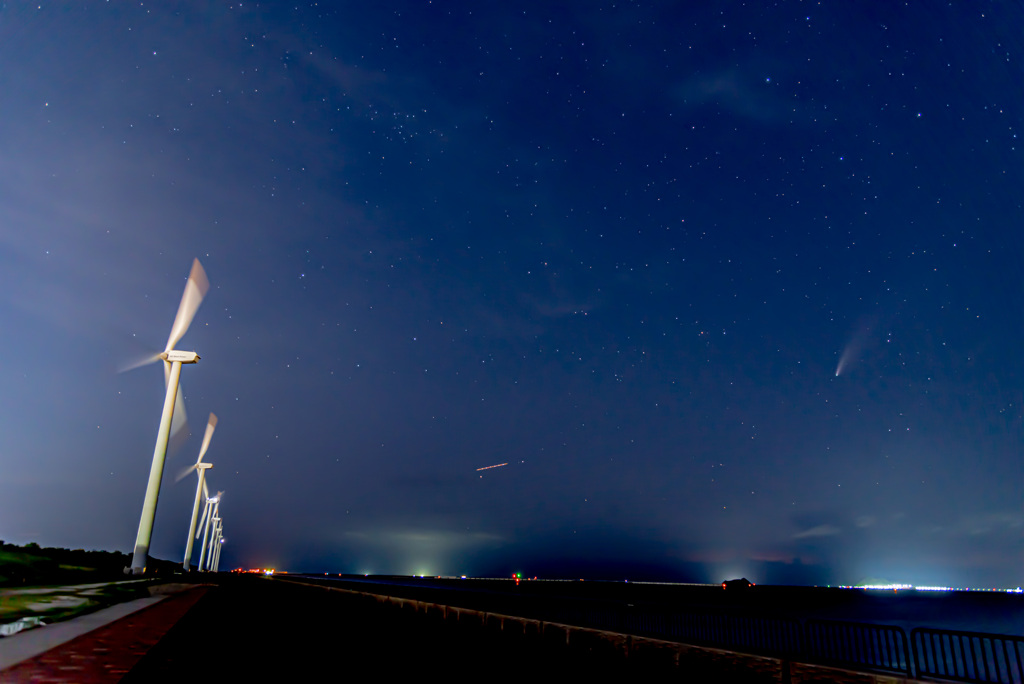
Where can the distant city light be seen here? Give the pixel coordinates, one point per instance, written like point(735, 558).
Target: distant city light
point(908, 587)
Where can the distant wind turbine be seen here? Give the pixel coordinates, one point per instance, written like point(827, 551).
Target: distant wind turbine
point(202, 530)
point(200, 468)
point(217, 550)
point(210, 515)
point(214, 543)
point(195, 289)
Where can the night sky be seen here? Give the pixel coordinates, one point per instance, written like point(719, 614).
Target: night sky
point(734, 290)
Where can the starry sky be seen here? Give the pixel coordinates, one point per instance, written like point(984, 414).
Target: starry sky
point(732, 289)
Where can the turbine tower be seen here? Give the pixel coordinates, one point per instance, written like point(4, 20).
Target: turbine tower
point(204, 525)
point(220, 545)
point(215, 535)
point(195, 289)
point(200, 468)
point(209, 515)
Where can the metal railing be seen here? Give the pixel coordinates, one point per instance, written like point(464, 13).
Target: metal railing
point(968, 656)
point(867, 646)
point(878, 647)
point(929, 654)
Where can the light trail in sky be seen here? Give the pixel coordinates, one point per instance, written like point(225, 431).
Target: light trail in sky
point(844, 360)
point(861, 340)
point(492, 466)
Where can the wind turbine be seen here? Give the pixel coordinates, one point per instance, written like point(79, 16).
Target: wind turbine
point(214, 536)
point(204, 525)
point(220, 545)
point(209, 515)
point(200, 468)
point(195, 289)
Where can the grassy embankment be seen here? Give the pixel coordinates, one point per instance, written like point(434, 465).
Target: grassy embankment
point(57, 584)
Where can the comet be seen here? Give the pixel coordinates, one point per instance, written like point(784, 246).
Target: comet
point(493, 466)
point(844, 360)
point(862, 338)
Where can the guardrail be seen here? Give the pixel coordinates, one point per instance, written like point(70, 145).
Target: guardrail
point(948, 655)
point(878, 647)
point(968, 656)
point(935, 654)
point(871, 647)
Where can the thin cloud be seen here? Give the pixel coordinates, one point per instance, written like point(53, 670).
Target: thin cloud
point(733, 92)
point(819, 531)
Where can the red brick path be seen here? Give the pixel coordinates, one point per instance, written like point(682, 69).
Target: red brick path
point(105, 654)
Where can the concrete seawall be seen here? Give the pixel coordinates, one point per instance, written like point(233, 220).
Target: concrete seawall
point(619, 651)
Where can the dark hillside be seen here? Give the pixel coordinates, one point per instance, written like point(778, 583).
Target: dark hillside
point(32, 564)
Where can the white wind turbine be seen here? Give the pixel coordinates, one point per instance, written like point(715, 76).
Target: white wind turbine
point(218, 547)
point(200, 468)
point(214, 531)
point(211, 516)
point(218, 530)
point(174, 408)
point(204, 525)
point(211, 558)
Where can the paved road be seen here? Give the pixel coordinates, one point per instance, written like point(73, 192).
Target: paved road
point(257, 629)
point(269, 630)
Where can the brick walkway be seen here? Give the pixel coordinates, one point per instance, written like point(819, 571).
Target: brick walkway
point(108, 653)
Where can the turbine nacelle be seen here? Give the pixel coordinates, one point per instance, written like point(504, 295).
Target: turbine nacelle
point(173, 355)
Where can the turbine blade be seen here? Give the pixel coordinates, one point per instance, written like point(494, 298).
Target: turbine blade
point(184, 473)
point(195, 289)
point(144, 361)
point(206, 492)
point(179, 421)
point(202, 523)
point(210, 426)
